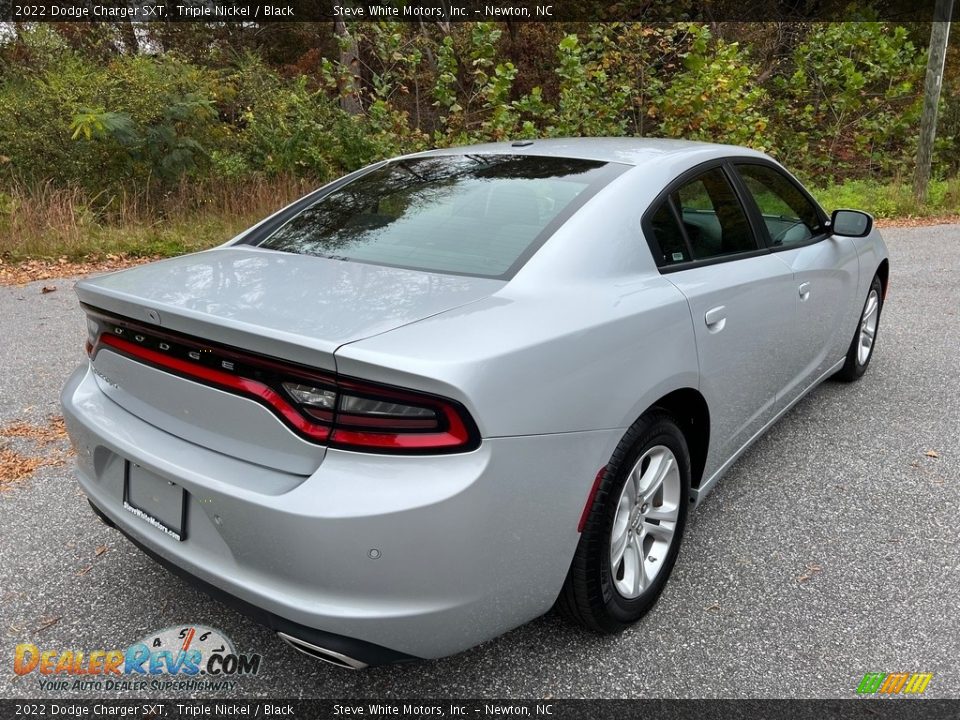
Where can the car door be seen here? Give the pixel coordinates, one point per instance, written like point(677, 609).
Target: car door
point(740, 298)
point(825, 270)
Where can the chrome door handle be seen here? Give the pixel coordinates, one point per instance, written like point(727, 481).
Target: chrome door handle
point(716, 318)
point(804, 290)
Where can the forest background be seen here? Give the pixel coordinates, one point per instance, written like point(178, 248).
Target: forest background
point(158, 139)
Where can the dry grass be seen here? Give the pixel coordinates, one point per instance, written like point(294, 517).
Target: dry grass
point(53, 224)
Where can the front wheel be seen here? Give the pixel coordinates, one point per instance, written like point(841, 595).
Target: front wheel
point(865, 338)
point(632, 535)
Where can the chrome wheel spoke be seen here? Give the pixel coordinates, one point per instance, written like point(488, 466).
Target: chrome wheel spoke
point(618, 545)
point(868, 327)
point(639, 579)
point(662, 532)
point(652, 480)
point(663, 513)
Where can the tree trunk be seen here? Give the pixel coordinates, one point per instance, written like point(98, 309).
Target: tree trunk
point(939, 33)
point(349, 59)
point(128, 35)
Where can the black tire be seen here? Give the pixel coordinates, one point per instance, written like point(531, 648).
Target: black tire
point(589, 596)
point(852, 368)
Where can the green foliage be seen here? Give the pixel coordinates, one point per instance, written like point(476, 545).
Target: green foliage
point(301, 131)
point(714, 97)
point(891, 200)
point(838, 100)
point(853, 99)
point(587, 103)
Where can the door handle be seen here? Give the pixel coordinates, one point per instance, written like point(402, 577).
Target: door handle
point(716, 318)
point(804, 290)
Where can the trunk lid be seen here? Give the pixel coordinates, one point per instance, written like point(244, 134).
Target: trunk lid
point(292, 307)
point(297, 307)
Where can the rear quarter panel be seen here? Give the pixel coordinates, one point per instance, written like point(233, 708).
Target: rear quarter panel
point(586, 357)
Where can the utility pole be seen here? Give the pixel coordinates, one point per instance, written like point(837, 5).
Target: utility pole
point(939, 33)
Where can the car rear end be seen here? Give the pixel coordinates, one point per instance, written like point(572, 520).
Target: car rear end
point(365, 521)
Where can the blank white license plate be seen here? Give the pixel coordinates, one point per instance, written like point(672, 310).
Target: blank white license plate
point(155, 500)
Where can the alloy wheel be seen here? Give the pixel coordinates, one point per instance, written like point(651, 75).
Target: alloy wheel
point(645, 521)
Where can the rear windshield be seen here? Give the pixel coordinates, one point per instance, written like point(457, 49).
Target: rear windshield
point(479, 215)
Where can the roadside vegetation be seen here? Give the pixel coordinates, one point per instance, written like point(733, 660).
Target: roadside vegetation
point(160, 140)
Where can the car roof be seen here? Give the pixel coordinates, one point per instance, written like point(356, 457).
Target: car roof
point(626, 150)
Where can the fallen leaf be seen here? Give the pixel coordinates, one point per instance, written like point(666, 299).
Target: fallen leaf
point(916, 221)
point(48, 622)
point(48, 289)
point(812, 569)
point(44, 434)
point(715, 607)
point(932, 454)
point(14, 467)
point(28, 271)
point(84, 571)
point(101, 550)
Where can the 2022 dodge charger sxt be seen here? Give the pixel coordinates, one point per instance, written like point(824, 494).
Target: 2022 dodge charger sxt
point(425, 403)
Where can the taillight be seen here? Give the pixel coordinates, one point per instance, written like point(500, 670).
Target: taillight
point(322, 407)
point(374, 416)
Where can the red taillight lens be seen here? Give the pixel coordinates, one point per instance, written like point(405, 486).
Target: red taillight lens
point(372, 416)
point(336, 411)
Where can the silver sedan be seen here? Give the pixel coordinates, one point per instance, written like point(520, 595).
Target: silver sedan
point(430, 400)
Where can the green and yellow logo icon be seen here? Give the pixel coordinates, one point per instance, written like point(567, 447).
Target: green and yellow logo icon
point(894, 683)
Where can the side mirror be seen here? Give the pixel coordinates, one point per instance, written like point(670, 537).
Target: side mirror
point(851, 223)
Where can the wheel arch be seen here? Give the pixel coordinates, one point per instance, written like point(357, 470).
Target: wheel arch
point(883, 272)
point(691, 411)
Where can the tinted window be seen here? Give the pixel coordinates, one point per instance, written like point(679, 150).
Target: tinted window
point(790, 218)
point(713, 218)
point(469, 214)
point(670, 242)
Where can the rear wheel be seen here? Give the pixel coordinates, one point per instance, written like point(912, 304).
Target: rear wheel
point(632, 536)
point(865, 338)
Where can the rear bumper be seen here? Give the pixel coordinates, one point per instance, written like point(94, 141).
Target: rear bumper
point(367, 653)
point(388, 558)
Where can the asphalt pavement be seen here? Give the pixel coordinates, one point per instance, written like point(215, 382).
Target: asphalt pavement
point(828, 551)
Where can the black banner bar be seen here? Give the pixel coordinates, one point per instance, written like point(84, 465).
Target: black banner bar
point(854, 709)
point(265, 11)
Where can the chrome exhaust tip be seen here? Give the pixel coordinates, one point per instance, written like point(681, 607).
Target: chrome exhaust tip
point(319, 653)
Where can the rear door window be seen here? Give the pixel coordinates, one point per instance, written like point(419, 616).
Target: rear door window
point(701, 220)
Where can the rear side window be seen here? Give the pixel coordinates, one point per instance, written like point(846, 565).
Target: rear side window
point(670, 240)
point(480, 215)
point(701, 220)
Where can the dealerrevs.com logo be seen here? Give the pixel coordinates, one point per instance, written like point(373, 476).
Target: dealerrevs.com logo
point(185, 657)
point(894, 683)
